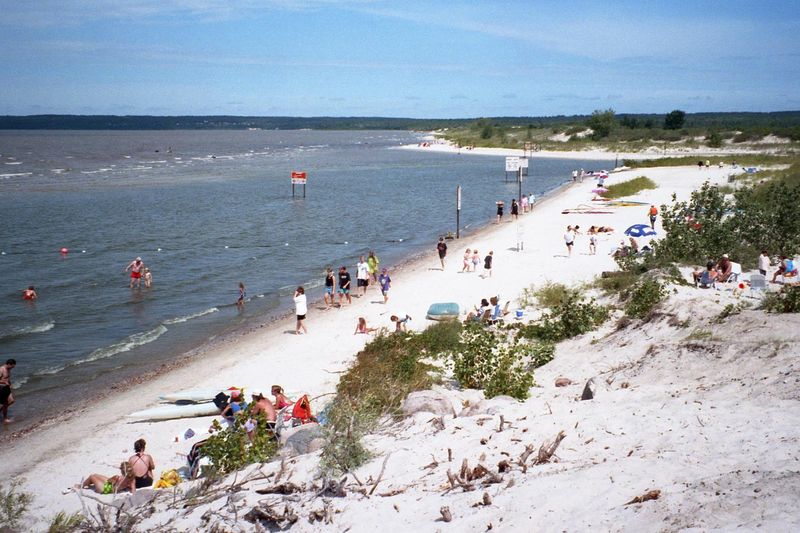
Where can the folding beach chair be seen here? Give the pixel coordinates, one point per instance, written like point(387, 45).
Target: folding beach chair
point(736, 272)
point(758, 282)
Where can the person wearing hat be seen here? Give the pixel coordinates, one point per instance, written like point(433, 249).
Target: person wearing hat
point(137, 268)
point(724, 268)
point(386, 283)
point(233, 407)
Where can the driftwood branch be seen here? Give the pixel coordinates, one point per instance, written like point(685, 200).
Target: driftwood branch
point(380, 475)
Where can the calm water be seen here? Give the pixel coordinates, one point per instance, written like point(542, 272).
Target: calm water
point(205, 210)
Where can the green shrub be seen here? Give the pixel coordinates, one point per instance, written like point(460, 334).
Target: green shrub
point(540, 354)
point(13, 506)
point(382, 375)
point(483, 361)
point(573, 316)
point(630, 187)
point(787, 300)
point(551, 294)
point(66, 523)
point(230, 448)
point(644, 297)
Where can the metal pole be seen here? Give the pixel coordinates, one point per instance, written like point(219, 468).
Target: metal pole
point(519, 186)
point(292, 189)
point(458, 212)
point(304, 190)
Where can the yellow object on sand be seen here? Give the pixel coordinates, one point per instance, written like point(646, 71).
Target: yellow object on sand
point(169, 478)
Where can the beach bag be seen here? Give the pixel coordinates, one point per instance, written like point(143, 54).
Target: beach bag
point(301, 412)
point(221, 400)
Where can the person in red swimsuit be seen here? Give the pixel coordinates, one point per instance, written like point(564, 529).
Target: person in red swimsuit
point(29, 293)
point(137, 268)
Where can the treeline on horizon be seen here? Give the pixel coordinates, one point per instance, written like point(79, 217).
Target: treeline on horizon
point(768, 121)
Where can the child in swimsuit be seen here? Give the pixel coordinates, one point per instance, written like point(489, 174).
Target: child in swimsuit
point(476, 259)
point(467, 260)
point(148, 278)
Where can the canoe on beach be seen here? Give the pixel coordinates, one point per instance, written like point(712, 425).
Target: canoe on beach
point(172, 411)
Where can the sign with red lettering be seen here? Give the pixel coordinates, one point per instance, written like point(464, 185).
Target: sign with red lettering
point(299, 178)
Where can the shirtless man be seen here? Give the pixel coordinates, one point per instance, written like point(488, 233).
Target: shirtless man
point(6, 398)
point(137, 269)
point(264, 405)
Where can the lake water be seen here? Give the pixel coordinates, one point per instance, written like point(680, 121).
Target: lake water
point(205, 210)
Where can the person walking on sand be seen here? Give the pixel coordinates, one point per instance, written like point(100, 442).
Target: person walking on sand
point(373, 262)
point(467, 260)
point(574, 176)
point(300, 309)
point(653, 214)
point(386, 283)
point(569, 240)
point(242, 295)
point(137, 269)
point(6, 397)
point(362, 275)
point(525, 204)
point(330, 287)
point(514, 209)
point(441, 248)
point(592, 244)
point(499, 210)
point(344, 285)
point(487, 265)
point(476, 260)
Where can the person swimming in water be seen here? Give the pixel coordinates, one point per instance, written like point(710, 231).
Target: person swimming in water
point(29, 293)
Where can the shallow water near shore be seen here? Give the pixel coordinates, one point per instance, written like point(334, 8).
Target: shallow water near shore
point(205, 210)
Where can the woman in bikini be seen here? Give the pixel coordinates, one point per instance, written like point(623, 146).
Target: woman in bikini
point(281, 400)
point(108, 485)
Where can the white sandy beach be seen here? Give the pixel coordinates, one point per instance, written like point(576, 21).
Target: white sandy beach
point(99, 437)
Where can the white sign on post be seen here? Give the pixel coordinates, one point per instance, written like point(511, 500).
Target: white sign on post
point(524, 162)
point(512, 164)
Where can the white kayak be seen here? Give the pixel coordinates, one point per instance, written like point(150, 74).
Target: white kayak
point(197, 395)
point(168, 412)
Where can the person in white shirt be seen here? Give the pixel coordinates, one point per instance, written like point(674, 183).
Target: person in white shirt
point(569, 239)
point(362, 274)
point(763, 263)
point(300, 309)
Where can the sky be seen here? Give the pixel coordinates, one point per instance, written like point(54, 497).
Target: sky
point(396, 58)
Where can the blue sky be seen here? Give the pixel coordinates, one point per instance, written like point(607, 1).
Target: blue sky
point(397, 58)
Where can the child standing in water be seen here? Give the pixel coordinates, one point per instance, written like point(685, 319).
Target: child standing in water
point(148, 278)
point(242, 295)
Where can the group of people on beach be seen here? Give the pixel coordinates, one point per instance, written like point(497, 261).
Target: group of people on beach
point(525, 204)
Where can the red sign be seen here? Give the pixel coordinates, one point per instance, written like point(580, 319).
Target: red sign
point(299, 178)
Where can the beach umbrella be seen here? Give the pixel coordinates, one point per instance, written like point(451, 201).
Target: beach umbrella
point(640, 230)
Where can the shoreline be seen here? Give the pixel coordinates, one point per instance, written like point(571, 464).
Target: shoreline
point(94, 436)
point(195, 355)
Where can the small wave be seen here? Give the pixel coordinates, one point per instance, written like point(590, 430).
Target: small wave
point(129, 343)
point(14, 163)
point(6, 176)
point(190, 317)
point(154, 162)
point(27, 330)
point(98, 171)
point(59, 170)
point(141, 168)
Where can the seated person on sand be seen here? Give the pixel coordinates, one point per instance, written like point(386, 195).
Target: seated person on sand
point(622, 250)
point(110, 485)
point(260, 404)
point(705, 278)
point(786, 268)
point(361, 327)
point(724, 268)
point(233, 407)
point(281, 400)
point(634, 246)
point(400, 323)
point(477, 315)
point(141, 466)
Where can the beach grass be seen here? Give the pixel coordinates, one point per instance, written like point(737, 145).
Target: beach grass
point(630, 187)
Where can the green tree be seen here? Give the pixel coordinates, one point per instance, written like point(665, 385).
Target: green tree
point(714, 139)
point(601, 122)
point(674, 120)
point(487, 132)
